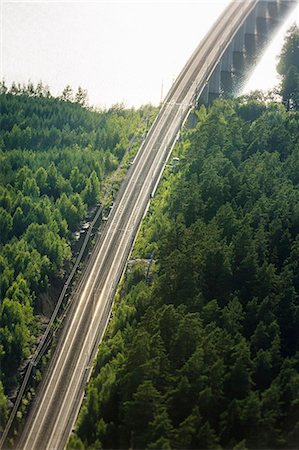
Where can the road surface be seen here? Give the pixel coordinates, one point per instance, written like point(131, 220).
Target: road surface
point(59, 397)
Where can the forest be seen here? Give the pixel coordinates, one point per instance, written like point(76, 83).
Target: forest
point(202, 350)
point(55, 153)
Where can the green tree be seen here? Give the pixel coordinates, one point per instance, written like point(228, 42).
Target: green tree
point(3, 408)
point(290, 52)
point(77, 180)
point(290, 88)
point(3, 87)
point(288, 68)
point(6, 275)
point(67, 94)
point(209, 343)
point(30, 188)
point(140, 412)
point(6, 223)
point(14, 334)
point(72, 208)
point(92, 190)
point(81, 96)
point(41, 179)
point(195, 433)
point(43, 142)
point(48, 244)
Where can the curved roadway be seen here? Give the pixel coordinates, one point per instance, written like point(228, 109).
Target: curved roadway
point(59, 397)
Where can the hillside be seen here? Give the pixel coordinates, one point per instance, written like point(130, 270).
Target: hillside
point(204, 354)
point(202, 348)
point(55, 156)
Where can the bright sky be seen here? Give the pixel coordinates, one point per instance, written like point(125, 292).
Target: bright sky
point(120, 51)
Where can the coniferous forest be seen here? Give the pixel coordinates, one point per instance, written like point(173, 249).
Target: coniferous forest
point(202, 350)
point(54, 155)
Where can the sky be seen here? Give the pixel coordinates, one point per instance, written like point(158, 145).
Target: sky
point(120, 51)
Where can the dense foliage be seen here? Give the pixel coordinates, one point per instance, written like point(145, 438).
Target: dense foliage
point(206, 355)
point(203, 347)
point(53, 156)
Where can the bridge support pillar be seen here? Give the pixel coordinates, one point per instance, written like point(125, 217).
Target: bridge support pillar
point(250, 25)
point(245, 48)
point(238, 41)
point(251, 48)
point(227, 59)
point(227, 85)
point(204, 96)
point(262, 8)
point(238, 59)
point(250, 40)
point(285, 6)
point(273, 15)
point(262, 23)
point(238, 73)
point(214, 84)
point(273, 24)
point(273, 9)
point(226, 69)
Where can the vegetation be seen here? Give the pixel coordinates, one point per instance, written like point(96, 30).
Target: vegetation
point(54, 156)
point(203, 353)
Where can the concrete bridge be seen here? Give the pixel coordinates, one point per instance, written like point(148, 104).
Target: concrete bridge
point(242, 51)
